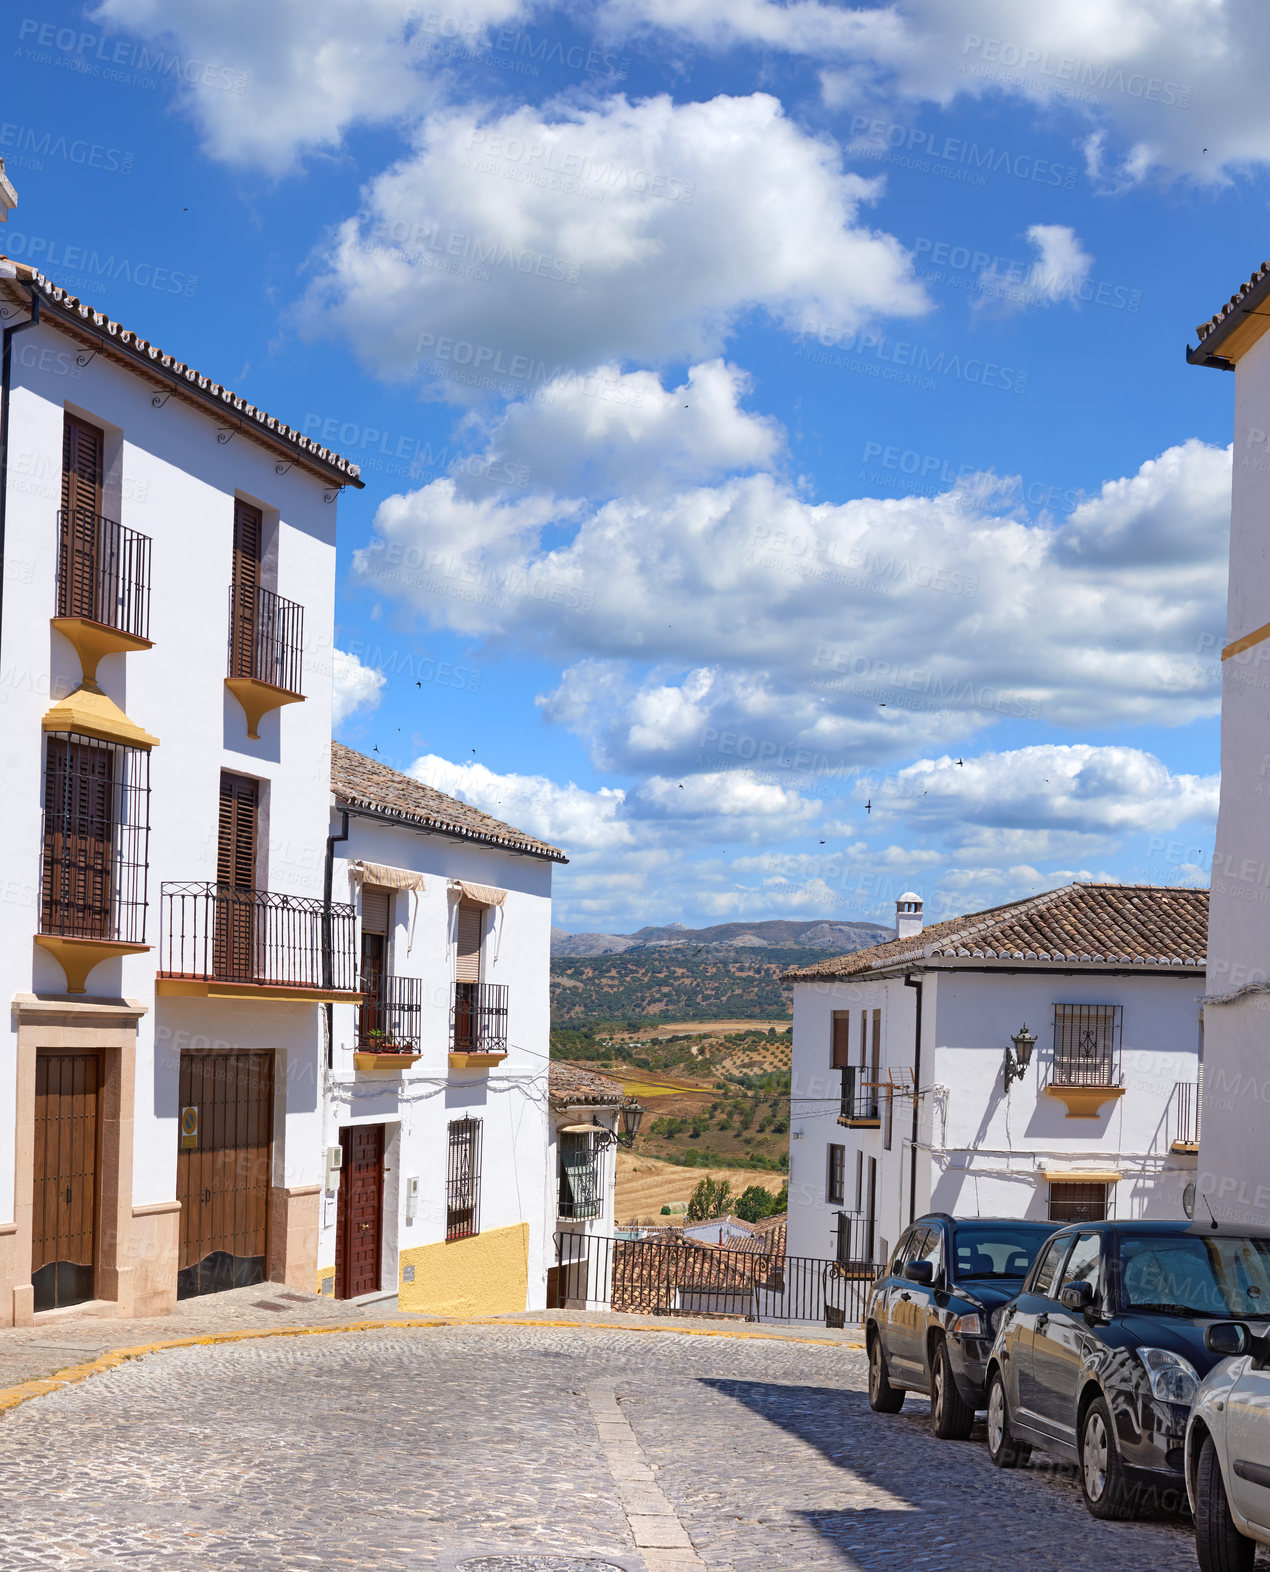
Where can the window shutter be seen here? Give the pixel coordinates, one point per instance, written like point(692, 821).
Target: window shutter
point(82, 449)
point(76, 894)
point(236, 849)
point(375, 909)
point(841, 1056)
point(875, 1058)
point(471, 921)
point(247, 532)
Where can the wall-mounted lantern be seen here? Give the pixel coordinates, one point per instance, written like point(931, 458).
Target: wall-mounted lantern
point(1019, 1057)
point(632, 1118)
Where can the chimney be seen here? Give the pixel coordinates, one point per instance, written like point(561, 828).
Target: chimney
point(908, 916)
point(8, 196)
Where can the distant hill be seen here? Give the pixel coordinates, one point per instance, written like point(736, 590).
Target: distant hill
point(839, 938)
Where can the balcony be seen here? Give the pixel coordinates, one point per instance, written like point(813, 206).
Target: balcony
point(581, 1197)
point(860, 1107)
point(478, 1025)
point(103, 587)
point(1184, 1110)
point(266, 652)
point(389, 1022)
point(222, 942)
point(1085, 1072)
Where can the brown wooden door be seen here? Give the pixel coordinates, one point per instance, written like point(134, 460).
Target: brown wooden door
point(79, 576)
point(360, 1212)
point(64, 1220)
point(223, 1170)
point(236, 878)
point(79, 835)
point(246, 581)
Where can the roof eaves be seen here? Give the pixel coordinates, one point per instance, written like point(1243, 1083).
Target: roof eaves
point(1234, 314)
point(465, 832)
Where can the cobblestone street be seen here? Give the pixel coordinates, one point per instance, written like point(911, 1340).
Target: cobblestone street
point(399, 1449)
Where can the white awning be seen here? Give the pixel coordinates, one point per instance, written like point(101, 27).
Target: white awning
point(482, 894)
point(1081, 1175)
point(594, 1128)
point(386, 877)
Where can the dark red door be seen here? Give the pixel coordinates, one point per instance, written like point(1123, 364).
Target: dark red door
point(359, 1220)
point(64, 1214)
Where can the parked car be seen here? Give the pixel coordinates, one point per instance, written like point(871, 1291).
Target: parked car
point(931, 1315)
point(1099, 1358)
point(1228, 1448)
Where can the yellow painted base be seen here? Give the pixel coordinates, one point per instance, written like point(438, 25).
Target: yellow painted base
point(77, 957)
point(860, 1124)
point(475, 1061)
point(1085, 1102)
point(485, 1275)
point(384, 1061)
point(92, 640)
point(91, 713)
point(204, 988)
point(258, 698)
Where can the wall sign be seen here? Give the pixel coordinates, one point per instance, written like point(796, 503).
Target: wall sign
point(189, 1128)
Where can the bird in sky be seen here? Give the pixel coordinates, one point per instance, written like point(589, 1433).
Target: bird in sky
point(868, 807)
point(961, 761)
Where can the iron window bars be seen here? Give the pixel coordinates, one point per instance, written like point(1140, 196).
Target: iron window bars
point(266, 637)
point(478, 1018)
point(223, 934)
point(859, 1099)
point(96, 840)
point(391, 1016)
point(463, 1180)
point(581, 1176)
point(103, 572)
point(1078, 1203)
point(1185, 1110)
point(1086, 1045)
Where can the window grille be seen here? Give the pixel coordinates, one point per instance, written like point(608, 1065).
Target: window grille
point(581, 1176)
point(1078, 1203)
point(463, 1180)
point(1086, 1045)
point(837, 1175)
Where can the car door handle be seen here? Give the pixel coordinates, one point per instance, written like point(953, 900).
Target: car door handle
point(1042, 1321)
point(906, 1296)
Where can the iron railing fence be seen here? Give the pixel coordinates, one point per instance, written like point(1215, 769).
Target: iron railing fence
point(94, 864)
point(391, 1016)
point(679, 1278)
point(1184, 1114)
point(216, 932)
point(463, 1179)
point(1086, 1045)
point(266, 637)
point(478, 1018)
point(103, 572)
point(581, 1195)
point(860, 1099)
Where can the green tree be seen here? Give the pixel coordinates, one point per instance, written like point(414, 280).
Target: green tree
point(711, 1198)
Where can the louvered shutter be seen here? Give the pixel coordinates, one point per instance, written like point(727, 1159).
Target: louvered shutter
point(375, 909)
point(468, 963)
point(841, 1055)
point(78, 840)
point(236, 877)
point(875, 1059)
point(247, 533)
point(78, 568)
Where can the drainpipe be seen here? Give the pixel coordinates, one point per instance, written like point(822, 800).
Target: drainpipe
point(327, 978)
point(909, 982)
point(6, 361)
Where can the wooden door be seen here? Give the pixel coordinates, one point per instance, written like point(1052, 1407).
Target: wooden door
point(223, 1170)
point(64, 1220)
point(236, 878)
point(79, 577)
point(79, 833)
point(360, 1211)
point(246, 582)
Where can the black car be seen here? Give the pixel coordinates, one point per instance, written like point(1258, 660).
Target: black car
point(931, 1315)
point(1099, 1358)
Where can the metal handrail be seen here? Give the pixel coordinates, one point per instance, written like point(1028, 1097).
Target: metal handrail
point(391, 1015)
point(478, 1018)
point(217, 932)
point(266, 637)
point(103, 572)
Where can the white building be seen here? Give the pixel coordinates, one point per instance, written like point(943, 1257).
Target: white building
point(165, 689)
point(901, 1101)
point(436, 1094)
point(1234, 1154)
point(581, 1186)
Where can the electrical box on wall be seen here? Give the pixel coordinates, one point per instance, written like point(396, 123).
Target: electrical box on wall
point(334, 1162)
point(412, 1198)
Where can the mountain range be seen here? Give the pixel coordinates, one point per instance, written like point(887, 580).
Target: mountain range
point(839, 937)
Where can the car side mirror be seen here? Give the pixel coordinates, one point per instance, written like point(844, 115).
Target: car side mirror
point(1077, 1296)
point(1228, 1339)
point(919, 1272)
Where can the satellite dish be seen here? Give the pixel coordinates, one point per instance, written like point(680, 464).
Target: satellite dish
point(1188, 1201)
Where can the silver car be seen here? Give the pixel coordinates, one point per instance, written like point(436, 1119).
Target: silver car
point(1228, 1450)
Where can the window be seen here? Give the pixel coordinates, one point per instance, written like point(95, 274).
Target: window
point(1084, 1265)
point(870, 1216)
point(1208, 1275)
point(1086, 1045)
point(859, 1181)
point(930, 1249)
point(266, 633)
point(842, 1239)
point(840, 1041)
point(581, 1175)
point(837, 1192)
point(463, 1180)
point(998, 1250)
point(1050, 1261)
point(1078, 1203)
point(888, 1124)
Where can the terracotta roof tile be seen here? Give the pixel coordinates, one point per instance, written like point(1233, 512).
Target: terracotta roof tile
point(568, 1085)
point(365, 783)
point(1095, 924)
point(1213, 323)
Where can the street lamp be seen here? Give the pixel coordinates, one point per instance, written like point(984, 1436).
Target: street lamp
point(1018, 1058)
point(632, 1118)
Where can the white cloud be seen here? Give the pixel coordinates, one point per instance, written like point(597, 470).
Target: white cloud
point(619, 232)
point(1059, 273)
point(354, 686)
point(567, 816)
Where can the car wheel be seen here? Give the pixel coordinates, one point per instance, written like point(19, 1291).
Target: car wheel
point(883, 1397)
point(1003, 1449)
point(1102, 1477)
point(951, 1417)
point(1219, 1545)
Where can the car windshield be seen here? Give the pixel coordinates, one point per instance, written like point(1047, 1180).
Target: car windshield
point(997, 1249)
point(1209, 1275)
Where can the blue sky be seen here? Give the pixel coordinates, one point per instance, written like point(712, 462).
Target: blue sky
point(785, 486)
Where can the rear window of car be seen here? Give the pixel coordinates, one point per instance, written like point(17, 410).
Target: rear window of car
point(1194, 1274)
point(1050, 1262)
point(997, 1250)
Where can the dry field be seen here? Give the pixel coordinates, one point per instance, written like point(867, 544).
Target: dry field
point(645, 1185)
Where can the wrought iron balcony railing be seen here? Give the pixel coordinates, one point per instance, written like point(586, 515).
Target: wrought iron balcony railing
point(266, 637)
point(581, 1195)
point(217, 933)
point(1184, 1111)
point(391, 1015)
point(103, 572)
point(861, 1101)
point(478, 1018)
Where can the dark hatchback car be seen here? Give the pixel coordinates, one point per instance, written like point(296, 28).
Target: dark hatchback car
point(1099, 1358)
point(931, 1315)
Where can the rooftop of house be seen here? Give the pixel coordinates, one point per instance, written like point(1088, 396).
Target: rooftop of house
point(360, 782)
point(1145, 925)
point(569, 1086)
point(1236, 326)
point(103, 335)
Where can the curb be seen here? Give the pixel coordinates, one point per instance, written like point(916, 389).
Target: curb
point(11, 1397)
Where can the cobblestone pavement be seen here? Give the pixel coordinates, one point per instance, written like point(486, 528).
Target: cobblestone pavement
point(401, 1449)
